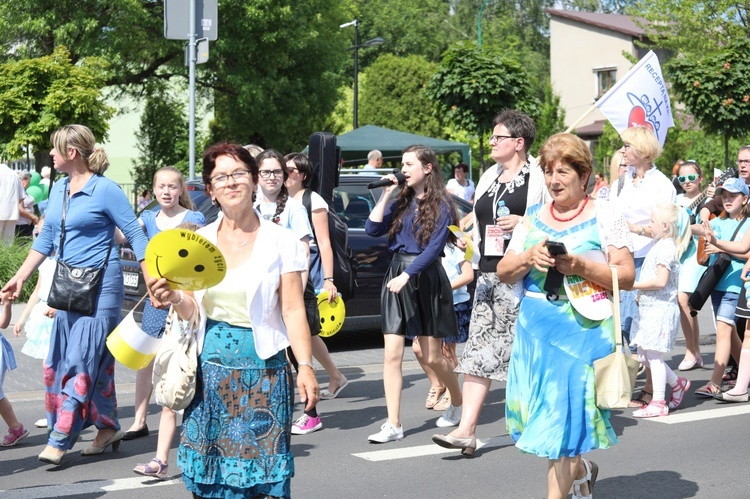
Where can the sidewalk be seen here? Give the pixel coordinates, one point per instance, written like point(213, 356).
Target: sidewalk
point(25, 382)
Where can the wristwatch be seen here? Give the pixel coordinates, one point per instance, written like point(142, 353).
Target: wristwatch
point(643, 231)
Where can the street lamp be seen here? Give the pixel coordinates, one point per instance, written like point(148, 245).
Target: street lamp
point(369, 43)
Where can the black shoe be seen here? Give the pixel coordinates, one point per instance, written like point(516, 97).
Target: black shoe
point(132, 435)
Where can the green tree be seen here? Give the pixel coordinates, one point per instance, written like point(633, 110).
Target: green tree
point(393, 95)
point(550, 120)
point(162, 136)
point(715, 88)
point(129, 34)
point(274, 71)
point(39, 95)
point(394, 20)
point(472, 85)
point(693, 26)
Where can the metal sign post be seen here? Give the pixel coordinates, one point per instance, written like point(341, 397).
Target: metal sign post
point(202, 17)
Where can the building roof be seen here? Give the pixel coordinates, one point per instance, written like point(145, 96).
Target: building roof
point(591, 131)
point(613, 22)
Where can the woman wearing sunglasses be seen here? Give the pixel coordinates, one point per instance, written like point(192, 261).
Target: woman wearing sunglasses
point(689, 177)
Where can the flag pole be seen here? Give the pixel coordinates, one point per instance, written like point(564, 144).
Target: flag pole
point(579, 120)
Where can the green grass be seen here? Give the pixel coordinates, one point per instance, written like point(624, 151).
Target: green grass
point(11, 258)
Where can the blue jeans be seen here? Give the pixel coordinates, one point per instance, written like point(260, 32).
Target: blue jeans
point(628, 307)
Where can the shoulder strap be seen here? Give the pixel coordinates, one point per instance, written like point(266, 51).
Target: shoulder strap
point(62, 220)
point(307, 201)
point(738, 229)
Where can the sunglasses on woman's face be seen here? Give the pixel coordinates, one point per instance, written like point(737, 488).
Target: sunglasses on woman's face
point(692, 177)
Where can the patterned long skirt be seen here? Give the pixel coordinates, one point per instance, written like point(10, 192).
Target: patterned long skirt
point(236, 432)
point(491, 331)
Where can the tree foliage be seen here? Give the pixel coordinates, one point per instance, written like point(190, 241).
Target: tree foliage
point(41, 94)
point(550, 120)
point(716, 89)
point(127, 33)
point(393, 95)
point(472, 85)
point(693, 26)
point(162, 135)
point(274, 70)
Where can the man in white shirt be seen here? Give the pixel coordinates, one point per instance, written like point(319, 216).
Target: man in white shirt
point(11, 194)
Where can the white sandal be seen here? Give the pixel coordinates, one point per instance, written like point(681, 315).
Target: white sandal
point(592, 471)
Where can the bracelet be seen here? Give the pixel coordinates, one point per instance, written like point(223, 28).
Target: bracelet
point(643, 231)
point(182, 297)
point(300, 364)
point(328, 279)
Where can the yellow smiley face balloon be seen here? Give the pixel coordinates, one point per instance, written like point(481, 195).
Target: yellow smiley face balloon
point(332, 315)
point(187, 260)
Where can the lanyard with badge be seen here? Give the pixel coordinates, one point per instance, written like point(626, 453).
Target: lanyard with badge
point(494, 236)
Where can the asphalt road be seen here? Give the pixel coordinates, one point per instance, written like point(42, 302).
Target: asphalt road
point(700, 450)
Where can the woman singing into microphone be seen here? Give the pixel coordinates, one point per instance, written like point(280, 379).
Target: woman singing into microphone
point(416, 299)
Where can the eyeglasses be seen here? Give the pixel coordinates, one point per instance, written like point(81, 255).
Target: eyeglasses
point(500, 138)
point(219, 180)
point(690, 177)
point(269, 173)
point(741, 162)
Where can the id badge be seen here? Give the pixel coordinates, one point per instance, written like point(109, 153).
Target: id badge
point(494, 243)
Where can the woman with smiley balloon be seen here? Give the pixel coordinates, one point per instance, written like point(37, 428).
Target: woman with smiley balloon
point(236, 439)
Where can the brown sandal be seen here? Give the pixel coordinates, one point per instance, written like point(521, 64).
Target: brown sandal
point(433, 396)
point(639, 402)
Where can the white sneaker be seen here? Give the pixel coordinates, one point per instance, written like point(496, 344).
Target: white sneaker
point(387, 433)
point(451, 417)
point(41, 423)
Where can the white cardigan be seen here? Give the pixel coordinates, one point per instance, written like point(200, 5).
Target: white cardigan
point(276, 251)
point(535, 194)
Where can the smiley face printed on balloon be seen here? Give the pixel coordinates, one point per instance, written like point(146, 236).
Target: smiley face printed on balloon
point(332, 315)
point(188, 261)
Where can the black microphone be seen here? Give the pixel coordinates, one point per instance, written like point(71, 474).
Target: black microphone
point(386, 181)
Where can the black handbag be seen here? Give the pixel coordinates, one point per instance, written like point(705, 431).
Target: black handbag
point(74, 289)
point(711, 278)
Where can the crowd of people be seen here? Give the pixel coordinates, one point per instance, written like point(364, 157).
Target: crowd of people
point(537, 225)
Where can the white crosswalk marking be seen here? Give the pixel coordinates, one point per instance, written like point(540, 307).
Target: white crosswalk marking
point(95, 487)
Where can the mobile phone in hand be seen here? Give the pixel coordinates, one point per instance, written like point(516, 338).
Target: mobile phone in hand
point(556, 248)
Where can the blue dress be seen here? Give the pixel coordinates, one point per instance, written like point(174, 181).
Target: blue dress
point(79, 369)
point(550, 397)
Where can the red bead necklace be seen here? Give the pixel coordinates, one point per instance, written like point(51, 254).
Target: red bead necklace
point(580, 210)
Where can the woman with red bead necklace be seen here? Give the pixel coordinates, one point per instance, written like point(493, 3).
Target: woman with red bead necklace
point(550, 398)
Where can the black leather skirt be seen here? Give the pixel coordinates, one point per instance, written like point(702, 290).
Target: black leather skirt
point(423, 307)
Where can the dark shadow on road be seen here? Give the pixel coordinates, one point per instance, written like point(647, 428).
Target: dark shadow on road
point(648, 485)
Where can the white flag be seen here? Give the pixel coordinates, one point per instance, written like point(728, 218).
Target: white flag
point(640, 98)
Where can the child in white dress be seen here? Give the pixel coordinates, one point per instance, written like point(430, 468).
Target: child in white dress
point(658, 319)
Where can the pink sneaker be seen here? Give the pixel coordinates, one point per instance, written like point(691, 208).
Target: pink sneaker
point(657, 408)
point(14, 436)
point(678, 392)
point(305, 424)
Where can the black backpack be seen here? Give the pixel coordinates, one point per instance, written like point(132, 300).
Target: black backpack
point(344, 275)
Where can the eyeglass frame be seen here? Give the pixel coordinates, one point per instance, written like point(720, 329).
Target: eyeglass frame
point(686, 178)
point(741, 162)
point(499, 138)
point(270, 173)
point(222, 178)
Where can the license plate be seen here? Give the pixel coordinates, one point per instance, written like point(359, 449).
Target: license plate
point(130, 279)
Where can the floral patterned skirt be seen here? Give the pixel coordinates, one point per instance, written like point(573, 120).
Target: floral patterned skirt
point(236, 432)
point(491, 331)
